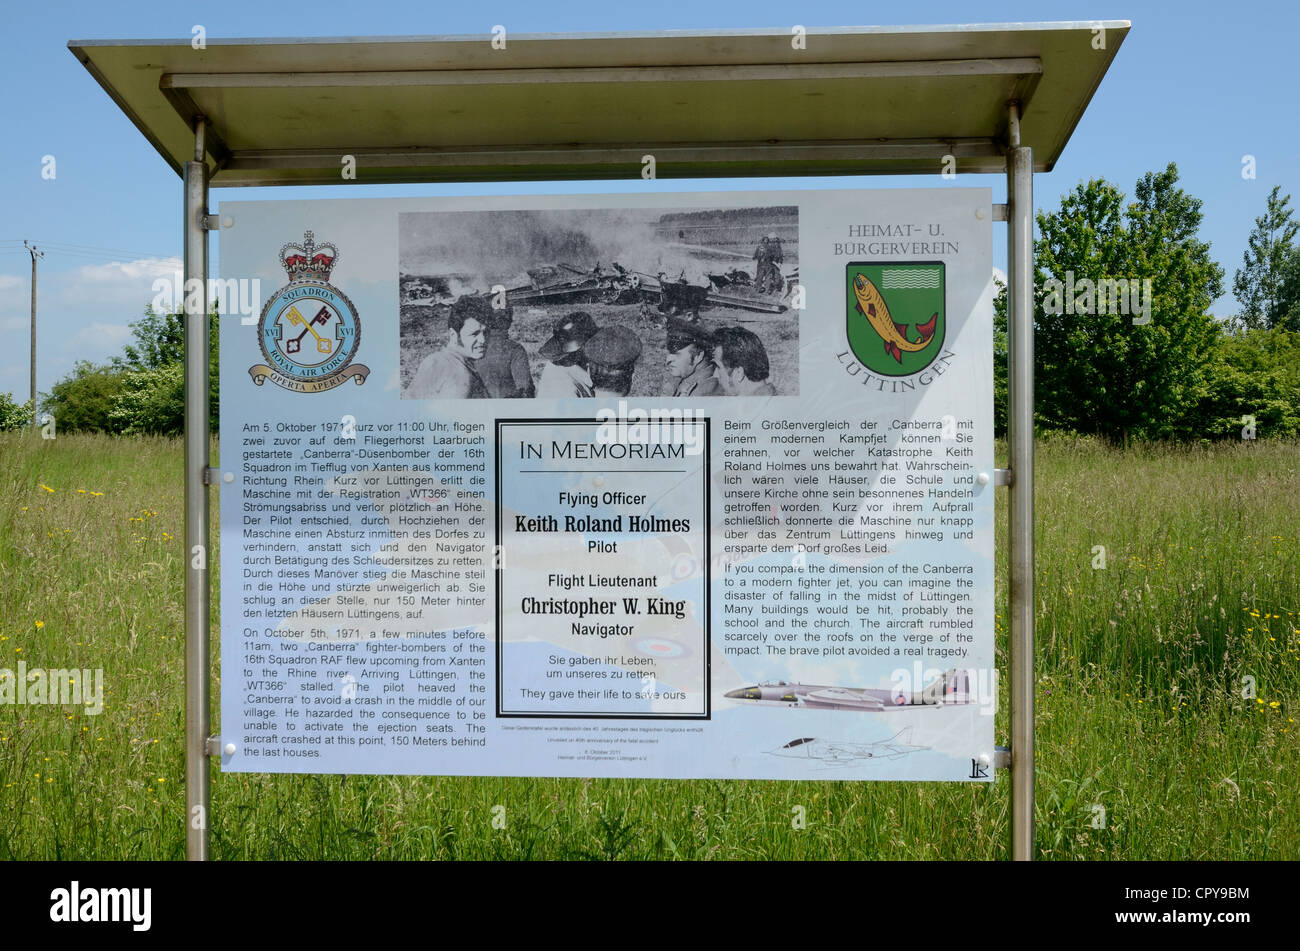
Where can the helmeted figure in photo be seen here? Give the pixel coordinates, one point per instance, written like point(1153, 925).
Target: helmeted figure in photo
point(691, 371)
point(741, 359)
point(451, 373)
point(611, 359)
point(565, 375)
point(776, 257)
point(768, 255)
point(504, 368)
point(762, 258)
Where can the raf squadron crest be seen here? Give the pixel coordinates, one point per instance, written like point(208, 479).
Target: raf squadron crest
point(309, 331)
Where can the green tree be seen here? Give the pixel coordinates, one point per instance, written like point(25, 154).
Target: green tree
point(999, 358)
point(1289, 294)
point(83, 400)
point(1270, 259)
point(159, 341)
point(1096, 370)
point(153, 399)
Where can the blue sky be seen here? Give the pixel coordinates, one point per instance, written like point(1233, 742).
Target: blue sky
point(1198, 83)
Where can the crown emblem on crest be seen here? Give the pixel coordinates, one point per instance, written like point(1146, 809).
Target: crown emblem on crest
point(309, 260)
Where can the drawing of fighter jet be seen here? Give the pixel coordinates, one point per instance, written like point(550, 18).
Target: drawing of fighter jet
point(950, 687)
point(833, 753)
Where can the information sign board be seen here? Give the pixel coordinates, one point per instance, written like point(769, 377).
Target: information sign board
point(658, 485)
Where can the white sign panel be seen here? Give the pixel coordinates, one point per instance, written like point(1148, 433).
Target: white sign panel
point(681, 486)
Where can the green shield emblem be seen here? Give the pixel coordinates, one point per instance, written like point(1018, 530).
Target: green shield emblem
point(895, 315)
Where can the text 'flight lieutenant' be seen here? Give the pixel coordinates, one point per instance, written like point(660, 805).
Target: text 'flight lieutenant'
point(565, 375)
point(691, 371)
point(450, 373)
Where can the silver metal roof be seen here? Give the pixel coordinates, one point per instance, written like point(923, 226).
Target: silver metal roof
point(855, 100)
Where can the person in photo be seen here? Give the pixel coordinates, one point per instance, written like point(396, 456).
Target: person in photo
point(565, 374)
point(691, 371)
point(762, 255)
point(611, 360)
point(775, 258)
point(742, 363)
point(451, 373)
point(504, 368)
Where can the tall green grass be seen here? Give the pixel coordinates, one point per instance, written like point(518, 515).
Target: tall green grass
point(1148, 745)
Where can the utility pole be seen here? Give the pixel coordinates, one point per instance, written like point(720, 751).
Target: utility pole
point(31, 249)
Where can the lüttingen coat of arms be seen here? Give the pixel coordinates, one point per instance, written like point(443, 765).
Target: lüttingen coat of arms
point(895, 313)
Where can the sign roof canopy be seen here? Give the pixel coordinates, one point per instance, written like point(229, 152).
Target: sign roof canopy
point(851, 101)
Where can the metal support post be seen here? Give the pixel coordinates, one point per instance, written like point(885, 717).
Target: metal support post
point(1020, 438)
point(197, 594)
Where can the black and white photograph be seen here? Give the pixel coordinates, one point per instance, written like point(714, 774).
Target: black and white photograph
point(573, 303)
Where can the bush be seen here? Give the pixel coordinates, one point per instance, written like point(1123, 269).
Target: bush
point(14, 415)
point(84, 400)
point(153, 402)
point(1254, 373)
point(142, 391)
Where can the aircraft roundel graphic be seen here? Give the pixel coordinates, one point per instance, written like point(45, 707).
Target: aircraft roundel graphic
point(660, 647)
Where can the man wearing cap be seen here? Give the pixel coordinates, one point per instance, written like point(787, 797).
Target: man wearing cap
point(450, 373)
point(611, 358)
point(565, 376)
point(690, 361)
point(742, 362)
point(504, 368)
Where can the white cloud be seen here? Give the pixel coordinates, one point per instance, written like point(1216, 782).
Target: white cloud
point(119, 273)
point(99, 336)
point(82, 313)
point(1000, 274)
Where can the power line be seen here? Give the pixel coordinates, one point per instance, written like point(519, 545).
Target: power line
point(88, 259)
point(85, 259)
point(67, 247)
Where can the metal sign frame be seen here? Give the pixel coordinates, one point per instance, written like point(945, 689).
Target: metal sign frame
point(927, 55)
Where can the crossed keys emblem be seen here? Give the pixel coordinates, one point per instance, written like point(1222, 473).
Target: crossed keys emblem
point(294, 344)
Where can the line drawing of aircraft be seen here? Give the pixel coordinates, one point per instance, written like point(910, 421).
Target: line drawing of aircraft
point(950, 687)
point(833, 753)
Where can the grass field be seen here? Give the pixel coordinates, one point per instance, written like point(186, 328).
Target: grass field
point(1148, 748)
